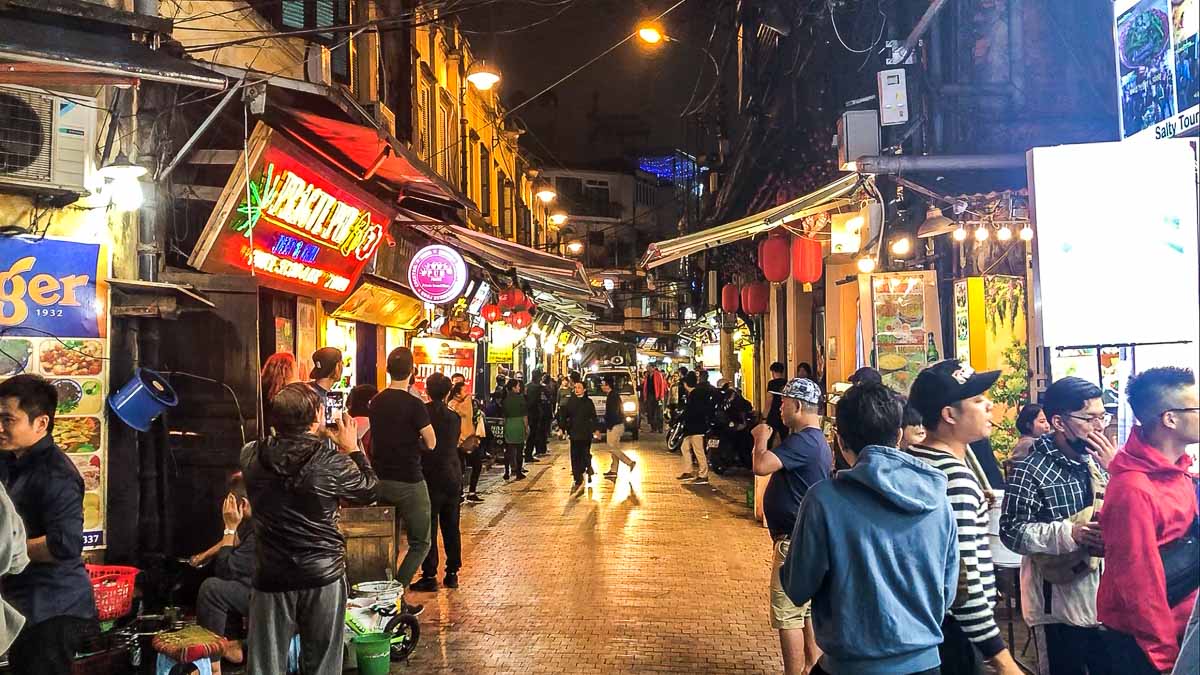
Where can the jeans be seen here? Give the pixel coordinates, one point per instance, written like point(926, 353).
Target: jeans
point(613, 438)
point(693, 446)
point(514, 460)
point(445, 502)
point(581, 457)
point(1071, 650)
point(219, 597)
point(539, 431)
point(412, 512)
point(654, 415)
point(316, 614)
point(1126, 656)
point(49, 647)
point(474, 461)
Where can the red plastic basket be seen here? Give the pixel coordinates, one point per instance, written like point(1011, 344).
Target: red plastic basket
point(113, 587)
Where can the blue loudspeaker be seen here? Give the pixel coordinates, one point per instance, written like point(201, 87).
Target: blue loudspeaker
point(142, 399)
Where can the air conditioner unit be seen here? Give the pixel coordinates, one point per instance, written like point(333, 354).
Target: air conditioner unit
point(383, 116)
point(46, 140)
point(318, 65)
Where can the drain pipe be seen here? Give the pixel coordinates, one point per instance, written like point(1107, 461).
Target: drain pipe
point(893, 164)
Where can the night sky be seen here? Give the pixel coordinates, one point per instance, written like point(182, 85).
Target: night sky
point(653, 83)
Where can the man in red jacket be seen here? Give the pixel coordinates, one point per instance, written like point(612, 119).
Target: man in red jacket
point(1151, 501)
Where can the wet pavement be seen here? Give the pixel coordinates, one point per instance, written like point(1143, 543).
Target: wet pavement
point(640, 575)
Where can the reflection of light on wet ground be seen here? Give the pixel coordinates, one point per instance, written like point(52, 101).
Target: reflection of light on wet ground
point(629, 483)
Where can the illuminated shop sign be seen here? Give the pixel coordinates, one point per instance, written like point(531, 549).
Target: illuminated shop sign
point(437, 274)
point(296, 225)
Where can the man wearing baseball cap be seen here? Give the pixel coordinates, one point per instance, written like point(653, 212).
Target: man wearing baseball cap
point(956, 412)
point(327, 369)
point(802, 460)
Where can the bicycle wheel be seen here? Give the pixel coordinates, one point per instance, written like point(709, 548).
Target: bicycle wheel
point(406, 633)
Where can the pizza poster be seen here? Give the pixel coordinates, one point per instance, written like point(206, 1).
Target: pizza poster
point(54, 323)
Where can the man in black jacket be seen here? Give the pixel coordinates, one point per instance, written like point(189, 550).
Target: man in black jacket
point(698, 414)
point(295, 483)
point(233, 558)
point(614, 425)
point(53, 593)
point(579, 420)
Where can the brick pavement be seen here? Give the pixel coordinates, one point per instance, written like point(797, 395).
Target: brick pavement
point(640, 576)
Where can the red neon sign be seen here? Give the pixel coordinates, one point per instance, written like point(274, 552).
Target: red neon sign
point(297, 224)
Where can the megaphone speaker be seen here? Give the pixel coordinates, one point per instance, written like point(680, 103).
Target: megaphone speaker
point(142, 399)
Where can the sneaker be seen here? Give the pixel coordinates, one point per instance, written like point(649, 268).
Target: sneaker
point(411, 609)
point(472, 497)
point(685, 476)
point(702, 480)
point(450, 580)
point(632, 464)
point(505, 476)
point(520, 476)
point(425, 585)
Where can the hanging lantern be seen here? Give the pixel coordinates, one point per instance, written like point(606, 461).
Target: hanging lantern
point(518, 298)
point(490, 313)
point(476, 332)
point(520, 320)
point(774, 258)
point(755, 298)
point(511, 297)
point(729, 298)
point(806, 261)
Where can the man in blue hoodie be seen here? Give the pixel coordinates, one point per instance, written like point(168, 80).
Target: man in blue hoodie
point(875, 549)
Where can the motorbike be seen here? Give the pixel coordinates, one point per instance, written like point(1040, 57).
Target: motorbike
point(729, 443)
point(674, 430)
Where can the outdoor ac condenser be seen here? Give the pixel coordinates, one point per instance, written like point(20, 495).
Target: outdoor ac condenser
point(46, 139)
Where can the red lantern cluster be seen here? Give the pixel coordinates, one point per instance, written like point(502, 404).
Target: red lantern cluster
point(729, 298)
point(755, 298)
point(774, 258)
point(510, 298)
point(806, 260)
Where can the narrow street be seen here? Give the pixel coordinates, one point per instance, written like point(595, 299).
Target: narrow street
point(642, 576)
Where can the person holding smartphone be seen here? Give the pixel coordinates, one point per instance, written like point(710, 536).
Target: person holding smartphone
point(228, 590)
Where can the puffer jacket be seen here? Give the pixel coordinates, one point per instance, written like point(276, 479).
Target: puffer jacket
point(295, 484)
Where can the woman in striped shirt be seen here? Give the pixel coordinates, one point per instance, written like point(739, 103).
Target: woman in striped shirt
point(951, 399)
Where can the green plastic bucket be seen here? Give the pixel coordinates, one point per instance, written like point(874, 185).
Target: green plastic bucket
point(373, 651)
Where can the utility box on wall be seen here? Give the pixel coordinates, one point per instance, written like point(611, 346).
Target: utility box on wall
point(857, 136)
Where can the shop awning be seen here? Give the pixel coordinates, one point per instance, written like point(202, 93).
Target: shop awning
point(829, 197)
point(369, 155)
point(48, 55)
point(375, 302)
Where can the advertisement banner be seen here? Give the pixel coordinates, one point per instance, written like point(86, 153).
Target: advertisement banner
point(1158, 67)
point(499, 354)
point(54, 323)
point(448, 357)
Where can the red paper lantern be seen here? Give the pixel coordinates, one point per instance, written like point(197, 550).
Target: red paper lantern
point(476, 332)
point(520, 319)
point(806, 260)
point(774, 258)
point(490, 313)
point(510, 298)
point(755, 298)
point(729, 298)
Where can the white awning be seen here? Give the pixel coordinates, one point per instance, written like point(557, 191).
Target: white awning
point(829, 197)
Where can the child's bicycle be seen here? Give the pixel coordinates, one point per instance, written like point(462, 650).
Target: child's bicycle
point(376, 608)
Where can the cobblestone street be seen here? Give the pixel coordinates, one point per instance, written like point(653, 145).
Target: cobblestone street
point(640, 576)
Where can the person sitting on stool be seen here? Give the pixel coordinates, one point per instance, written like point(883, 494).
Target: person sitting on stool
point(228, 590)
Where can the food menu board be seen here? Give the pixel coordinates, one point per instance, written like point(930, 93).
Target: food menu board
point(54, 323)
point(904, 343)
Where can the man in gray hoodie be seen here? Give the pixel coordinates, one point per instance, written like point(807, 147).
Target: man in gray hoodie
point(875, 549)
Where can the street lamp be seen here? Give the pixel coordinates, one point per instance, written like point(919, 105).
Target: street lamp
point(575, 247)
point(650, 33)
point(544, 191)
point(558, 218)
point(483, 75)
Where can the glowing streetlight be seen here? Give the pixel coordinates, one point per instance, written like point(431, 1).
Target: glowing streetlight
point(483, 75)
point(544, 191)
point(558, 218)
point(575, 247)
point(650, 33)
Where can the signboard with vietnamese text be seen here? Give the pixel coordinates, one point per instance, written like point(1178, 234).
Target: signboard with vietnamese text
point(499, 354)
point(448, 357)
point(54, 323)
point(298, 225)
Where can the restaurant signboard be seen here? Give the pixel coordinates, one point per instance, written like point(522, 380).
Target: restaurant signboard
point(297, 224)
point(448, 357)
point(437, 274)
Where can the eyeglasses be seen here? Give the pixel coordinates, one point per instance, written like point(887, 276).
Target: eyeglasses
point(1102, 420)
point(1195, 409)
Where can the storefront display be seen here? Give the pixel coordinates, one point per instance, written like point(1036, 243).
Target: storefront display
point(902, 325)
point(54, 322)
point(448, 357)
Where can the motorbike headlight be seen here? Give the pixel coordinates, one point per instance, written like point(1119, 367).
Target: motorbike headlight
point(629, 406)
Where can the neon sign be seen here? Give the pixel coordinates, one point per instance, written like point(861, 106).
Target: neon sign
point(437, 274)
point(296, 224)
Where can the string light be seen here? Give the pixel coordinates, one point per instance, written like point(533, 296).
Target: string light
point(982, 233)
point(960, 234)
point(1004, 233)
point(1026, 233)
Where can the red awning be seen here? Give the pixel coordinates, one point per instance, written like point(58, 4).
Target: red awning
point(367, 154)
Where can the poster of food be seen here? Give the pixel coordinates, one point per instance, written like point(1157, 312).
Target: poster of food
point(962, 322)
point(54, 323)
point(448, 357)
point(1156, 66)
point(904, 343)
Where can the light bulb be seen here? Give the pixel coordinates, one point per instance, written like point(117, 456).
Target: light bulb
point(1004, 234)
point(902, 246)
point(126, 194)
point(960, 234)
point(866, 265)
point(1026, 233)
point(982, 233)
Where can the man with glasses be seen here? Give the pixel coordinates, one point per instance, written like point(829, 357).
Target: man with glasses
point(1049, 516)
point(1150, 506)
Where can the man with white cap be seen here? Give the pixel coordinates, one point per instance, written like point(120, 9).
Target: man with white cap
point(802, 460)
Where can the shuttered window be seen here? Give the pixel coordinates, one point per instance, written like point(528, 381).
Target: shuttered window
point(302, 14)
point(485, 180)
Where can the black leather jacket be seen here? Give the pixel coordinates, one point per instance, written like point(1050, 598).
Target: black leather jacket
point(295, 484)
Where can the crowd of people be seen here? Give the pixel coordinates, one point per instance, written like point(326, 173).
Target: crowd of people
point(885, 566)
